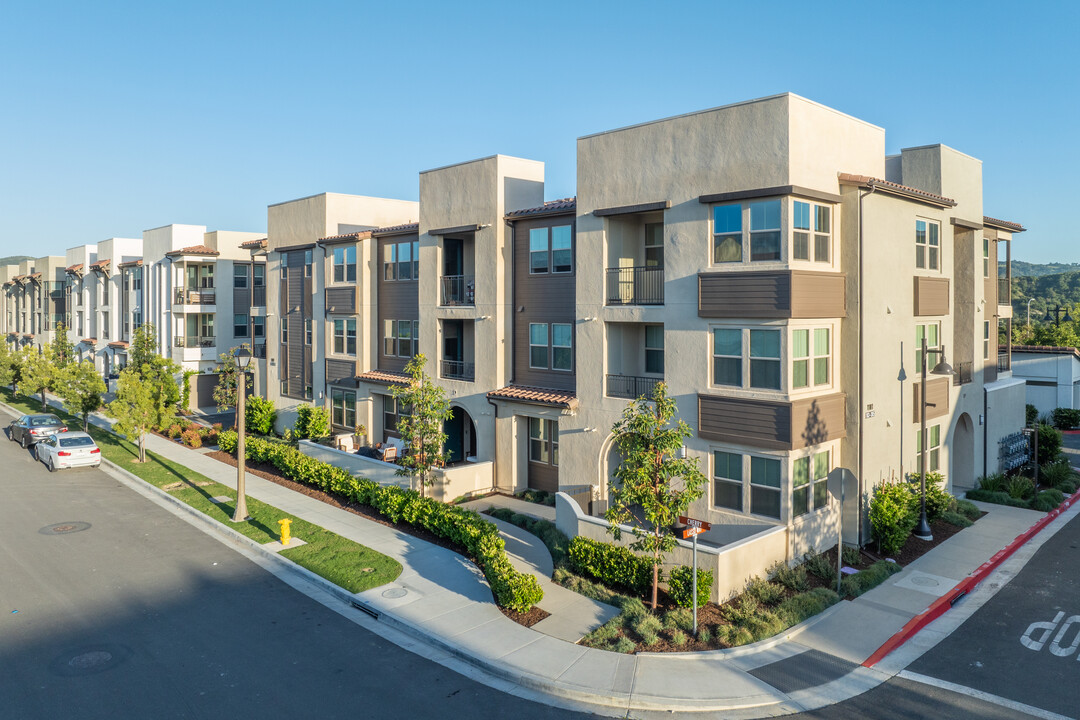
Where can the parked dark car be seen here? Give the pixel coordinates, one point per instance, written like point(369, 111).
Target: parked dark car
point(28, 429)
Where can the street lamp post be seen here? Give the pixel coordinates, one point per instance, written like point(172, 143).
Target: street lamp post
point(922, 530)
point(1056, 318)
point(242, 356)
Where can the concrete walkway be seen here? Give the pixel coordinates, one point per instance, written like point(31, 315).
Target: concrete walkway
point(443, 599)
point(522, 507)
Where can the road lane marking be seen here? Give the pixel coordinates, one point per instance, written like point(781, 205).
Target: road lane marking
point(980, 695)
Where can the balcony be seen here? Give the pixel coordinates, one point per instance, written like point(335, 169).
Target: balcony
point(259, 351)
point(631, 387)
point(195, 341)
point(458, 290)
point(203, 296)
point(1004, 291)
point(963, 373)
point(458, 370)
point(635, 286)
point(1003, 363)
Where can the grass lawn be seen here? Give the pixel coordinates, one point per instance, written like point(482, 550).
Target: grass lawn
point(341, 561)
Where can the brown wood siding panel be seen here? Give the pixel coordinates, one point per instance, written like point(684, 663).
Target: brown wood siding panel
point(397, 300)
point(744, 295)
point(818, 419)
point(543, 477)
point(755, 423)
point(338, 371)
point(931, 296)
point(937, 395)
point(818, 295)
point(546, 298)
point(295, 309)
point(341, 300)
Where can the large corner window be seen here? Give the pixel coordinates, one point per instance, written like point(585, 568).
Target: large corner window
point(811, 221)
point(400, 338)
point(765, 230)
point(927, 245)
point(345, 264)
point(728, 480)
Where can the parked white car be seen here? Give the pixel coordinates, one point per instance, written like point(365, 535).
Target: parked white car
point(68, 450)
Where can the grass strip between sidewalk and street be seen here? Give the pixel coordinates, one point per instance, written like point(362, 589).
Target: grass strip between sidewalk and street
point(343, 562)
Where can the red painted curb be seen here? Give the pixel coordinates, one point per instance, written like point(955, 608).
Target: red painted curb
point(942, 604)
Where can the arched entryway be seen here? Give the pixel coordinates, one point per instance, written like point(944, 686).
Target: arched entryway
point(962, 455)
point(460, 435)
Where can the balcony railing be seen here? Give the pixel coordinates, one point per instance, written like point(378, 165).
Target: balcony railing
point(1004, 291)
point(259, 351)
point(195, 297)
point(635, 286)
point(1003, 362)
point(630, 386)
point(962, 373)
point(458, 290)
point(458, 370)
point(195, 341)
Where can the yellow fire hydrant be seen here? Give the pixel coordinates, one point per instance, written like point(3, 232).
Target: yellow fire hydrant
point(285, 536)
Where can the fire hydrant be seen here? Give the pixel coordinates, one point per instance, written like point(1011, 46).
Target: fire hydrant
point(285, 536)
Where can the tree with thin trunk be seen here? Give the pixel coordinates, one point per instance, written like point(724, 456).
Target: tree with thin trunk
point(7, 364)
point(60, 349)
point(81, 388)
point(135, 408)
point(655, 485)
point(38, 373)
point(422, 429)
point(144, 346)
point(11, 369)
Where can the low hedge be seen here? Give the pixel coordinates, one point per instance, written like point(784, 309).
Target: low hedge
point(611, 565)
point(480, 538)
point(681, 586)
point(855, 585)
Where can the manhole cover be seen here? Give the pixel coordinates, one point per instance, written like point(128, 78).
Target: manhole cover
point(924, 581)
point(89, 660)
point(64, 528)
point(395, 593)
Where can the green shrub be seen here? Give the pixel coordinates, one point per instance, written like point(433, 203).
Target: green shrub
point(793, 578)
point(1053, 473)
point(998, 497)
point(765, 592)
point(1020, 487)
point(1050, 441)
point(174, 431)
point(633, 608)
point(968, 509)
point(259, 415)
point(624, 645)
point(871, 577)
point(957, 519)
point(938, 501)
point(1066, 418)
point(603, 635)
point(681, 586)
point(1031, 414)
point(851, 555)
point(734, 635)
point(704, 635)
point(1047, 500)
point(1054, 494)
point(678, 638)
point(681, 619)
point(191, 438)
point(648, 629)
point(820, 566)
point(1068, 487)
point(798, 608)
point(893, 516)
point(995, 482)
point(610, 564)
point(311, 423)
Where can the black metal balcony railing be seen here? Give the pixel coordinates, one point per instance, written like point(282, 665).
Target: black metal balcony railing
point(1004, 291)
point(1003, 362)
point(962, 373)
point(458, 290)
point(195, 341)
point(458, 370)
point(635, 286)
point(259, 351)
point(195, 297)
point(630, 386)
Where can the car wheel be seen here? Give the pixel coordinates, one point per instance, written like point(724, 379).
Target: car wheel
point(51, 465)
point(24, 443)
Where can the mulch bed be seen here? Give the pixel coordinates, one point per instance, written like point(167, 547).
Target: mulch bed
point(527, 619)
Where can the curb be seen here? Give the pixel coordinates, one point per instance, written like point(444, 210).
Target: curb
point(940, 606)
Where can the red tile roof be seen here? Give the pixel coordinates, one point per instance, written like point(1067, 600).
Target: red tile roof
point(251, 244)
point(119, 345)
point(131, 263)
point(895, 188)
point(75, 268)
point(89, 341)
point(194, 250)
point(100, 265)
point(1003, 224)
point(537, 396)
point(552, 207)
point(398, 229)
point(358, 235)
point(383, 377)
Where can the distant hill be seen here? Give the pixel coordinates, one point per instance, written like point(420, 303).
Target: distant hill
point(1047, 291)
point(14, 259)
point(1026, 269)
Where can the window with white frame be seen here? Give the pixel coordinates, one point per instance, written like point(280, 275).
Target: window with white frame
point(765, 359)
point(390, 261)
point(811, 220)
point(654, 245)
point(551, 250)
point(240, 325)
point(307, 331)
point(765, 230)
point(765, 474)
point(308, 263)
point(727, 234)
point(345, 336)
point(932, 333)
point(927, 245)
point(986, 257)
point(404, 261)
point(810, 351)
point(401, 261)
point(543, 441)
point(401, 338)
point(654, 349)
point(562, 346)
point(345, 264)
point(933, 460)
point(727, 357)
point(538, 346)
point(240, 276)
point(728, 480)
point(986, 340)
point(258, 275)
point(284, 331)
point(258, 328)
point(343, 408)
point(393, 412)
point(809, 483)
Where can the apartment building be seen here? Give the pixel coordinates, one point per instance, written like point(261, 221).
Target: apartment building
point(34, 300)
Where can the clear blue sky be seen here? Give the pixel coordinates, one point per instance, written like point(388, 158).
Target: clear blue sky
point(118, 117)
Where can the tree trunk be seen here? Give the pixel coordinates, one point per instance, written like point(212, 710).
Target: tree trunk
point(85, 422)
point(44, 406)
point(142, 448)
point(655, 582)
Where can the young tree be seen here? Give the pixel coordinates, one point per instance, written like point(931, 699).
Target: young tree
point(144, 346)
point(225, 390)
point(159, 371)
point(38, 373)
point(81, 388)
point(422, 430)
point(7, 367)
point(135, 408)
point(61, 351)
point(11, 367)
point(656, 486)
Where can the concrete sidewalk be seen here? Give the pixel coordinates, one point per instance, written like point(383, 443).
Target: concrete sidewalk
point(443, 599)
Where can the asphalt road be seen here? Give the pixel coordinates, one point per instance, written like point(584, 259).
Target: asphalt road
point(135, 613)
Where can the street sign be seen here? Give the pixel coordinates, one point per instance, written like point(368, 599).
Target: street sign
point(701, 525)
point(691, 532)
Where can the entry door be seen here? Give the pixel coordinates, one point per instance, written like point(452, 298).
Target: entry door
point(455, 437)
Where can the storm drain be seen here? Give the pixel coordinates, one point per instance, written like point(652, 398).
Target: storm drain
point(806, 670)
point(89, 660)
point(64, 528)
point(395, 593)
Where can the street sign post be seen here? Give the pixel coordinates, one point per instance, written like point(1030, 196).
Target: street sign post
point(693, 529)
point(835, 484)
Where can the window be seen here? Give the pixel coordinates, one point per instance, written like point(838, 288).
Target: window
point(240, 276)
point(930, 332)
point(284, 331)
point(307, 331)
point(810, 480)
point(389, 338)
point(800, 487)
point(822, 242)
point(401, 261)
point(136, 319)
point(727, 234)
point(258, 328)
point(206, 322)
point(727, 357)
point(284, 387)
point(562, 350)
point(728, 480)
point(806, 356)
point(551, 249)
point(654, 349)
point(765, 486)
point(240, 326)
point(345, 337)
point(800, 237)
point(927, 245)
point(416, 260)
point(562, 253)
point(392, 415)
point(400, 338)
point(104, 325)
point(538, 251)
point(390, 261)
point(765, 359)
point(345, 264)
point(405, 338)
point(307, 392)
point(986, 340)
point(258, 276)
point(343, 408)
point(765, 230)
point(822, 466)
point(538, 345)
point(404, 261)
point(544, 441)
point(986, 257)
point(136, 280)
point(307, 264)
point(284, 268)
point(933, 460)
point(654, 245)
